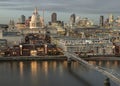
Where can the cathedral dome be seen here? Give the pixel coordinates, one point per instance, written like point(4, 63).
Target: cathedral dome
point(35, 20)
point(35, 16)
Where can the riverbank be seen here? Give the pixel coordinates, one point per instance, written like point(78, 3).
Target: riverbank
point(102, 58)
point(57, 57)
point(32, 58)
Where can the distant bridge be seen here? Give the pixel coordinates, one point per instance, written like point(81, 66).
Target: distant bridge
point(115, 77)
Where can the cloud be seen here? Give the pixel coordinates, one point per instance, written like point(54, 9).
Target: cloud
point(77, 6)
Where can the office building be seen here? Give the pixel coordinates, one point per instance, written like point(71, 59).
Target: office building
point(23, 19)
point(101, 21)
point(72, 19)
point(54, 17)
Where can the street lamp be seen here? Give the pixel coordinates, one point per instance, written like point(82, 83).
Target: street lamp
point(113, 49)
point(45, 48)
point(20, 49)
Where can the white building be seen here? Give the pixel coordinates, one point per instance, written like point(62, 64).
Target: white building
point(36, 20)
point(93, 46)
point(13, 38)
point(27, 31)
point(111, 18)
point(84, 22)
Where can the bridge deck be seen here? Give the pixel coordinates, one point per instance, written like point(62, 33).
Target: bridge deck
point(97, 68)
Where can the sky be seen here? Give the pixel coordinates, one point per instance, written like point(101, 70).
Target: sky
point(13, 9)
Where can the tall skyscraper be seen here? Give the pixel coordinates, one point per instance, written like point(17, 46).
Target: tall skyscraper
point(72, 19)
point(22, 19)
point(54, 17)
point(101, 21)
point(111, 18)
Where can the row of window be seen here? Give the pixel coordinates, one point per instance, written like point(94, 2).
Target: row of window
point(35, 24)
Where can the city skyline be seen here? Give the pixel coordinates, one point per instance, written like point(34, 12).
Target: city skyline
point(13, 9)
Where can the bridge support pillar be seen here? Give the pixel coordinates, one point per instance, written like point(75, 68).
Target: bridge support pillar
point(107, 82)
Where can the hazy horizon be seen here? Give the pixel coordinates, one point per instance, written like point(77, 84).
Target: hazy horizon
point(13, 9)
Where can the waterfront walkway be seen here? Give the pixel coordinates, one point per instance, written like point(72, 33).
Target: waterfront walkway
point(30, 58)
point(55, 57)
point(102, 58)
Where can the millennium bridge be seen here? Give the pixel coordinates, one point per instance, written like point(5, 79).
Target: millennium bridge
point(111, 74)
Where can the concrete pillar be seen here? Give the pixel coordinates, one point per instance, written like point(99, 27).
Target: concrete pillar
point(107, 82)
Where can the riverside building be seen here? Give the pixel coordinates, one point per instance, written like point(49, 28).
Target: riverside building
point(88, 46)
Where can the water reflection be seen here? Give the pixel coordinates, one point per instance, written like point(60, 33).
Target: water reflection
point(21, 69)
point(45, 67)
point(14, 67)
point(65, 64)
point(100, 63)
point(81, 79)
point(52, 73)
point(34, 68)
point(54, 66)
point(116, 63)
point(107, 64)
point(92, 62)
point(79, 66)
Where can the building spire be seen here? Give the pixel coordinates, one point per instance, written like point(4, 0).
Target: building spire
point(36, 11)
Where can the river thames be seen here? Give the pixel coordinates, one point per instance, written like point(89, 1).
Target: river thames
point(53, 73)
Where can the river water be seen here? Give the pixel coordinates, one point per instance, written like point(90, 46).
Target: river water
point(53, 73)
